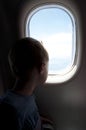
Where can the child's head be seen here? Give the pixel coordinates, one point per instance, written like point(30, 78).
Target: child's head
point(26, 55)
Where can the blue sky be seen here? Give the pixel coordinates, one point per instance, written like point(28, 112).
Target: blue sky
point(45, 18)
point(54, 27)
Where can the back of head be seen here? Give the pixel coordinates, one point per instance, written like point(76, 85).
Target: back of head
point(25, 55)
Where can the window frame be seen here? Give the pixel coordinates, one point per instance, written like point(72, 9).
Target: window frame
point(29, 9)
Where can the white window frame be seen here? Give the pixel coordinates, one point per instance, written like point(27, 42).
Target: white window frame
point(73, 12)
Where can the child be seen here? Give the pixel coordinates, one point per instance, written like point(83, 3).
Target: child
point(28, 61)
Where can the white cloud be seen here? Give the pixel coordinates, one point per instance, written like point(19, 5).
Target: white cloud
point(58, 45)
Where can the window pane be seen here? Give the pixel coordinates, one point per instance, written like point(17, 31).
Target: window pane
point(55, 28)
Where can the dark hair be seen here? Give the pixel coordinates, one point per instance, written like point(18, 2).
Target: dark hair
point(26, 54)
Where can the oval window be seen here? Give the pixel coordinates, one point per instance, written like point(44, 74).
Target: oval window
point(55, 27)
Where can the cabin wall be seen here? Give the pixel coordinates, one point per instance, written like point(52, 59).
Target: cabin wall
point(8, 34)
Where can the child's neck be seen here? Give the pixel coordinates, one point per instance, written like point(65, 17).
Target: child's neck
point(25, 89)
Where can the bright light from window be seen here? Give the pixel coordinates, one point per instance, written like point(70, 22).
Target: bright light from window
point(55, 27)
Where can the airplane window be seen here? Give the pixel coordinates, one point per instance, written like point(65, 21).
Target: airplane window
point(55, 27)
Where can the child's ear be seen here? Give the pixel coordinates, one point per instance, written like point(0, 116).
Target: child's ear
point(42, 68)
